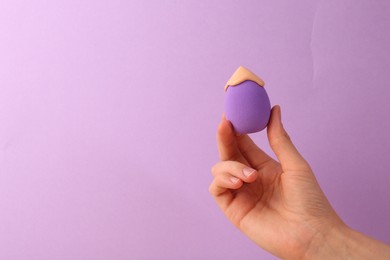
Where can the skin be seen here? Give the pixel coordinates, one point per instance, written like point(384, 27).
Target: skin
point(278, 203)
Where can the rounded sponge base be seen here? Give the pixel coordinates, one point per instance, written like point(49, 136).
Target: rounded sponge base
point(247, 107)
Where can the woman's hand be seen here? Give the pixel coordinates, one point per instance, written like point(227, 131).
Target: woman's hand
point(277, 204)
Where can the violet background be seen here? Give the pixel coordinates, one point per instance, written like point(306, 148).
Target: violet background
point(108, 112)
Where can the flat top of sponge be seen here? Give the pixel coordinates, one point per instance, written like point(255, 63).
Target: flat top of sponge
point(242, 74)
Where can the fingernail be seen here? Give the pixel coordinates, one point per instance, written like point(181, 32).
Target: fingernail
point(248, 171)
point(234, 179)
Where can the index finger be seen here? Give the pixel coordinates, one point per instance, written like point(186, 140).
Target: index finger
point(227, 143)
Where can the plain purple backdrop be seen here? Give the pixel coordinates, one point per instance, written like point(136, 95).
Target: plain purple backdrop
point(108, 113)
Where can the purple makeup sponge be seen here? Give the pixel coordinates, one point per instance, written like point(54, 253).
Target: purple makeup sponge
point(247, 107)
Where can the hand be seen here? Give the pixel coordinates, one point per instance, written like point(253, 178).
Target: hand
point(277, 204)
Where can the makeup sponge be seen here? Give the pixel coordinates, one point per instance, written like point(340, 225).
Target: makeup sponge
point(247, 105)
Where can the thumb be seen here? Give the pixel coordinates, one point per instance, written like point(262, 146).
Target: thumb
point(281, 144)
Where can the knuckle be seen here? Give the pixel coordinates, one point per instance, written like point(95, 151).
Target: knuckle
point(218, 168)
point(215, 168)
point(212, 190)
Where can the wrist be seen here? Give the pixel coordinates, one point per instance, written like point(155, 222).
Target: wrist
point(332, 244)
point(342, 242)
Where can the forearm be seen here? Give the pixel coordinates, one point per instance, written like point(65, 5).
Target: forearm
point(346, 243)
